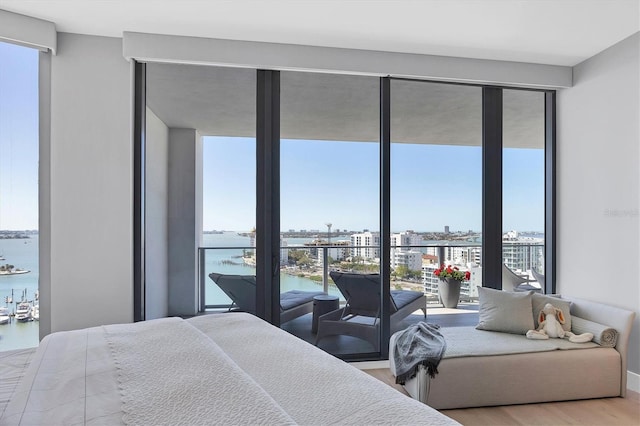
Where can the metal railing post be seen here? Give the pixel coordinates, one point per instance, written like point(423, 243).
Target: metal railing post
point(440, 255)
point(325, 269)
point(201, 261)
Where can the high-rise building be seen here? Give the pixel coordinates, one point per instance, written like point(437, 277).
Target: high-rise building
point(522, 253)
point(366, 245)
point(340, 252)
point(404, 240)
point(412, 259)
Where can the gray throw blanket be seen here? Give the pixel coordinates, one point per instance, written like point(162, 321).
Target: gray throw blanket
point(419, 344)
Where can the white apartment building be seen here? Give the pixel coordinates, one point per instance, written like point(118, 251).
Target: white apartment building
point(405, 239)
point(284, 252)
point(335, 253)
point(403, 255)
point(412, 259)
point(468, 290)
point(522, 253)
point(459, 255)
point(367, 245)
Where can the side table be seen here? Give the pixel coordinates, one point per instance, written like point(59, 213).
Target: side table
point(323, 304)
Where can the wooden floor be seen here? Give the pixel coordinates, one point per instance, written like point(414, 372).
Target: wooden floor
point(605, 411)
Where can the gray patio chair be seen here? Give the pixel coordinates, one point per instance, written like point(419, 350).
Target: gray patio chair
point(241, 289)
point(360, 317)
point(516, 282)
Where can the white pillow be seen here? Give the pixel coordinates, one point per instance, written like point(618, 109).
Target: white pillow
point(505, 311)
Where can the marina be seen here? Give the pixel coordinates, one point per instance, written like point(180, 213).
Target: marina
point(16, 288)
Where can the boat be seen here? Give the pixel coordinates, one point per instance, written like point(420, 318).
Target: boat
point(35, 312)
point(5, 318)
point(23, 311)
point(14, 272)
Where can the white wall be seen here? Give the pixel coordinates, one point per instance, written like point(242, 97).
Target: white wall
point(185, 219)
point(156, 218)
point(598, 183)
point(91, 184)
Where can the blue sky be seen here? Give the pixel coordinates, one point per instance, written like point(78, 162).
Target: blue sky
point(432, 186)
point(18, 137)
point(326, 181)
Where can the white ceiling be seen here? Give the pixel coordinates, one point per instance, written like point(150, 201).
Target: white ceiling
point(559, 32)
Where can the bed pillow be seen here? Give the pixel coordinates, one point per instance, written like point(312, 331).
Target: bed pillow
point(538, 302)
point(505, 311)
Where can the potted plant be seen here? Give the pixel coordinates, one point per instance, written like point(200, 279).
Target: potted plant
point(451, 278)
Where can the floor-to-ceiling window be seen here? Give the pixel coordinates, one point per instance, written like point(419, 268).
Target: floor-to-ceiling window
point(523, 193)
point(201, 185)
point(19, 144)
point(436, 191)
point(299, 161)
point(329, 196)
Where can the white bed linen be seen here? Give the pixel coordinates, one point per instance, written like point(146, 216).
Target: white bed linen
point(13, 365)
point(73, 379)
point(312, 386)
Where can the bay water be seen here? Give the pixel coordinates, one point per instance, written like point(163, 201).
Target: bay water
point(23, 254)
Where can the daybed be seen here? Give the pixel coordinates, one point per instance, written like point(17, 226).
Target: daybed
point(484, 368)
point(229, 368)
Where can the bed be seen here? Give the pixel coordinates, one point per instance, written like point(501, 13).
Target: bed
point(230, 368)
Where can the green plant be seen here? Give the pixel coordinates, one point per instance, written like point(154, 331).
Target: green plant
point(452, 272)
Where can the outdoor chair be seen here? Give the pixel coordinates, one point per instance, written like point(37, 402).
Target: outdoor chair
point(360, 317)
point(516, 282)
point(538, 277)
point(241, 289)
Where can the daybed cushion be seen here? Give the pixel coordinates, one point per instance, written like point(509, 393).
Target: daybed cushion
point(505, 311)
point(538, 302)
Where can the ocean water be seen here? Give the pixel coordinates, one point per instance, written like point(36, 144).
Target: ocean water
point(23, 254)
point(229, 261)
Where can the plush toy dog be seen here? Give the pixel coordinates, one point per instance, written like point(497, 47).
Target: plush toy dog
point(550, 326)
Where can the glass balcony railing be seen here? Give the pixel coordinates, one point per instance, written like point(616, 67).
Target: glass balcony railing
point(307, 267)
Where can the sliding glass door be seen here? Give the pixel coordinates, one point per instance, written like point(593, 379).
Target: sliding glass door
point(436, 191)
point(298, 180)
point(200, 187)
point(523, 193)
point(329, 191)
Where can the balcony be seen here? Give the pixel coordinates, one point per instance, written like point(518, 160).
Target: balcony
point(307, 267)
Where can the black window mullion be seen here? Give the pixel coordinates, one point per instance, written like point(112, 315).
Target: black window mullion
point(492, 187)
point(268, 196)
point(385, 214)
point(550, 192)
point(139, 158)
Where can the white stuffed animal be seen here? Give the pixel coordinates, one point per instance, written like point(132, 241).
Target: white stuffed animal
point(550, 321)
